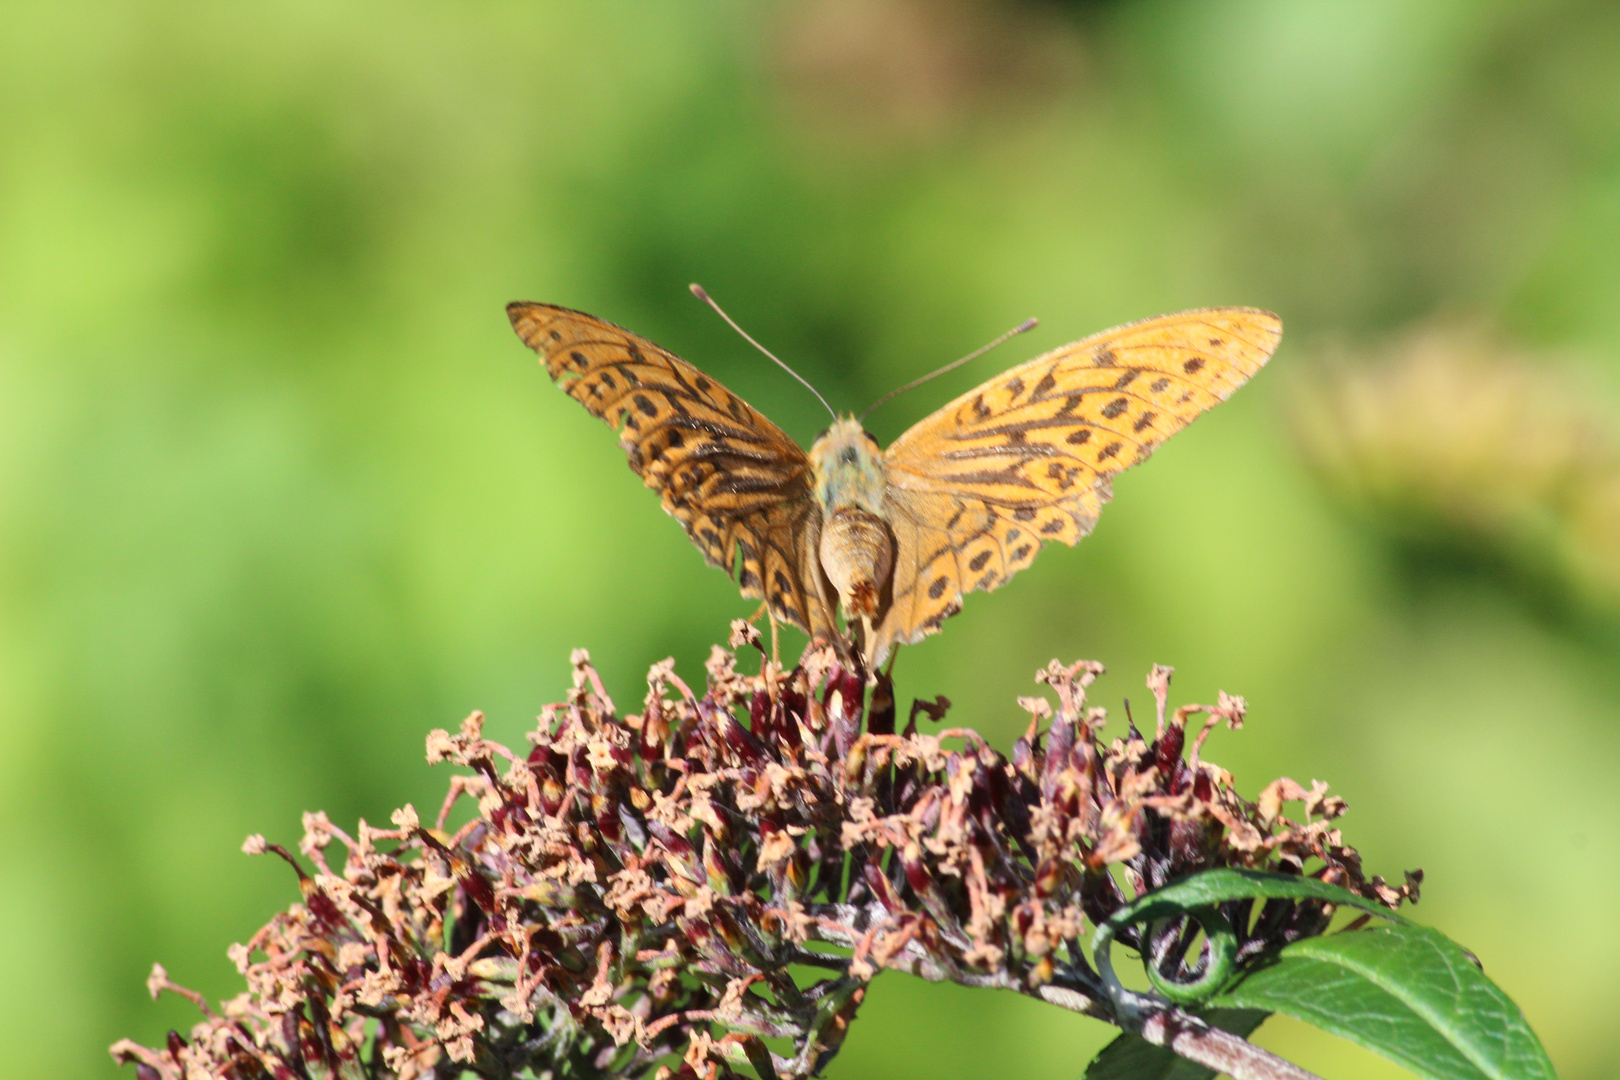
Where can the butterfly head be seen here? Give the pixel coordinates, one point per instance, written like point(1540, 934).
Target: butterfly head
point(849, 468)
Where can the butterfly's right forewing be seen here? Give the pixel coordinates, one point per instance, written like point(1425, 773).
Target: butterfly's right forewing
point(1029, 457)
point(741, 488)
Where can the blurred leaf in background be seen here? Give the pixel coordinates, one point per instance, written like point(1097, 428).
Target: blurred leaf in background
point(1466, 456)
point(279, 491)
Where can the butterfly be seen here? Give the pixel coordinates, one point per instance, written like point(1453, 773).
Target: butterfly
point(962, 501)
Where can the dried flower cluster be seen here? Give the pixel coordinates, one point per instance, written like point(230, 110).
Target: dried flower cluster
point(710, 884)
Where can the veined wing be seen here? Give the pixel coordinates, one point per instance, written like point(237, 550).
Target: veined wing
point(977, 488)
point(741, 488)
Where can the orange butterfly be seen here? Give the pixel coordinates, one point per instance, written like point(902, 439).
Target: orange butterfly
point(961, 501)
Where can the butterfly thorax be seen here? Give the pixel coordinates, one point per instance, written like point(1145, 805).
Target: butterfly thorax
point(849, 468)
point(856, 548)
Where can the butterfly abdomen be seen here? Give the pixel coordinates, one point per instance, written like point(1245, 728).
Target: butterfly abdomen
point(857, 555)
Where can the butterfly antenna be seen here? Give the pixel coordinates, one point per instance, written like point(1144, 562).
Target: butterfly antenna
point(697, 291)
point(1023, 327)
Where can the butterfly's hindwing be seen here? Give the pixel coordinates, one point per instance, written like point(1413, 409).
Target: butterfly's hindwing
point(1027, 458)
point(741, 488)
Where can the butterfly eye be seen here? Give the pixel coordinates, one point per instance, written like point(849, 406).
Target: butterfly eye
point(822, 435)
point(871, 440)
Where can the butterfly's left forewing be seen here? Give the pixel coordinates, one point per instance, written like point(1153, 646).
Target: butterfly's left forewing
point(736, 482)
point(1027, 458)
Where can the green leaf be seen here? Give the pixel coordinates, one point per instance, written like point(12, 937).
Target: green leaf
point(1406, 992)
point(1199, 895)
point(1403, 991)
point(1131, 1057)
point(1219, 885)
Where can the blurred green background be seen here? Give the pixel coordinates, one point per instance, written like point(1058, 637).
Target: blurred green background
point(280, 491)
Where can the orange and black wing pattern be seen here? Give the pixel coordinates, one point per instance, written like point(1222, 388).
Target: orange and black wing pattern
point(741, 488)
point(977, 488)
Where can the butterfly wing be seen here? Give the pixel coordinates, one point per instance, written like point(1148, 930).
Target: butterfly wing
point(975, 489)
point(741, 488)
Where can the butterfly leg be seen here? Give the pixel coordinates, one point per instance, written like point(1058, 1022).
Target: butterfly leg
point(860, 632)
point(765, 609)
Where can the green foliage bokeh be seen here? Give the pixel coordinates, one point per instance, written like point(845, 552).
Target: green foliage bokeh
point(280, 491)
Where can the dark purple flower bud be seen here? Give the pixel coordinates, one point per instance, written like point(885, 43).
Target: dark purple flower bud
point(917, 875)
point(581, 769)
point(719, 870)
point(1023, 919)
point(1167, 757)
point(882, 888)
point(844, 700)
point(176, 1043)
point(608, 822)
point(924, 884)
point(855, 763)
point(1023, 757)
point(1050, 876)
point(289, 1031)
point(654, 733)
point(786, 726)
point(989, 792)
point(792, 712)
point(1203, 787)
point(322, 907)
point(738, 739)
point(1019, 796)
point(552, 796)
point(1059, 741)
point(1189, 841)
point(293, 1039)
point(478, 890)
point(760, 710)
point(682, 856)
